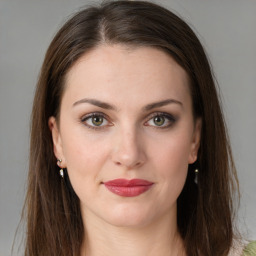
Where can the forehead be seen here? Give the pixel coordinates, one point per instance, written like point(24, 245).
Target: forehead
point(115, 71)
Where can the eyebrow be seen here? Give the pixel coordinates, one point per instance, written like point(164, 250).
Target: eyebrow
point(161, 104)
point(97, 103)
point(108, 106)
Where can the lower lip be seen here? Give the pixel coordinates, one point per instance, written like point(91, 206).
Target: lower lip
point(128, 191)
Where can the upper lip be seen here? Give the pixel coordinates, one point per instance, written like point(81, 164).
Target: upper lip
point(128, 183)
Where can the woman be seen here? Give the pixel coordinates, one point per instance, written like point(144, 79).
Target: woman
point(129, 151)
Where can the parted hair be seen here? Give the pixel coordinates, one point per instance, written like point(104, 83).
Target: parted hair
point(206, 209)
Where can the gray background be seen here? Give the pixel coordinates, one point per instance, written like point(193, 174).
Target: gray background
point(227, 29)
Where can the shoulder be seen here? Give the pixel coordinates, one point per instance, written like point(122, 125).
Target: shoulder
point(243, 248)
point(250, 249)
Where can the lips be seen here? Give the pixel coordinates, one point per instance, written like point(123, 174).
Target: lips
point(128, 188)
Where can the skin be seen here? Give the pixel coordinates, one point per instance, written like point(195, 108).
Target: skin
point(127, 144)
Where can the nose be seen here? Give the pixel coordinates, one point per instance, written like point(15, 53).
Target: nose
point(128, 150)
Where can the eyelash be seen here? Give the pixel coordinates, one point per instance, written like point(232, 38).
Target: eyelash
point(170, 118)
point(92, 115)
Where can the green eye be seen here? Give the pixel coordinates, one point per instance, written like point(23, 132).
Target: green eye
point(97, 120)
point(159, 120)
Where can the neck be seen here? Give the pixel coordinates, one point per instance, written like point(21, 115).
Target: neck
point(159, 238)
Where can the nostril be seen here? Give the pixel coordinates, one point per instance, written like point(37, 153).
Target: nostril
point(128, 154)
point(137, 164)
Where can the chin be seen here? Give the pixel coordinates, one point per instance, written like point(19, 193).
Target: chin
point(129, 217)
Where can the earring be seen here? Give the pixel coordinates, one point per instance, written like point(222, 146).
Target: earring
point(196, 176)
point(61, 170)
point(61, 173)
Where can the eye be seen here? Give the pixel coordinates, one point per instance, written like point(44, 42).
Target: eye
point(95, 120)
point(161, 120)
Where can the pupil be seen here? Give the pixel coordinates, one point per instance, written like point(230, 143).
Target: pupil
point(159, 120)
point(97, 120)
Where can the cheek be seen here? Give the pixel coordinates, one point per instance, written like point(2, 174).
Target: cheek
point(171, 163)
point(85, 156)
point(173, 169)
point(82, 149)
point(172, 154)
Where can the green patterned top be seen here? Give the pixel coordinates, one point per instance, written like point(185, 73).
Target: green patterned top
point(250, 249)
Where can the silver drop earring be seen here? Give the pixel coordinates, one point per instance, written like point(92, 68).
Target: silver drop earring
point(61, 173)
point(196, 176)
point(61, 170)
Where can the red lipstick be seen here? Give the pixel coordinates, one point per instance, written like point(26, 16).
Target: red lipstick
point(128, 188)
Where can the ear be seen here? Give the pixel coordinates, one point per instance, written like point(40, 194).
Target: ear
point(195, 144)
point(57, 143)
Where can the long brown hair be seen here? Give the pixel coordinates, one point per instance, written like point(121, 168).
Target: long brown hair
point(205, 210)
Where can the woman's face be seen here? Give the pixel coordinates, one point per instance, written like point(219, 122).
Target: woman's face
point(126, 114)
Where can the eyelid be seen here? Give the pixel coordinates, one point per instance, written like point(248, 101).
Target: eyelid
point(93, 114)
point(171, 118)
